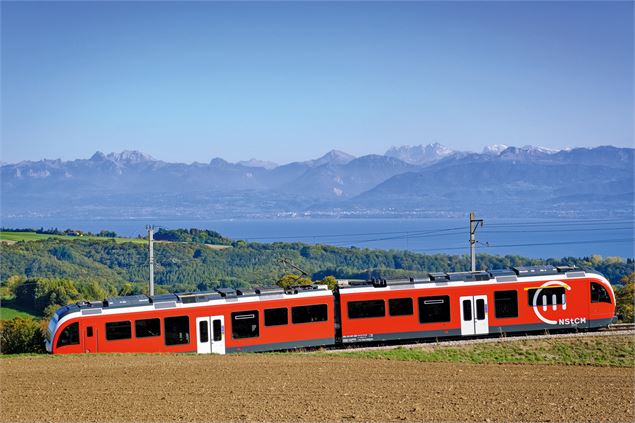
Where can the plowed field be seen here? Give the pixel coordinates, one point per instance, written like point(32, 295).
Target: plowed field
point(305, 388)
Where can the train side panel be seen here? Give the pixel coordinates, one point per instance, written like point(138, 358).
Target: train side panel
point(299, 322)
point(466, 309)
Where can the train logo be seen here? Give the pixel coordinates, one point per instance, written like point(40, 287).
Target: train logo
point(546, 300)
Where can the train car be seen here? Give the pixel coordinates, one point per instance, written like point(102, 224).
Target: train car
point(222, 321)
point(522, 299)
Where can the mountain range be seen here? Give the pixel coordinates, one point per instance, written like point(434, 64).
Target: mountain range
point(424, 181)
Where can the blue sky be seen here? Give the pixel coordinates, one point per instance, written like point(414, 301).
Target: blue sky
point(290, 81)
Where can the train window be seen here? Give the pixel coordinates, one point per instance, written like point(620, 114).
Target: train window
point(546, 296)
point(434, 309)
point(89, 331)
point(505, 304)
point(203, 329)
point(145, 328)
point(69, 336)
point(480, 309)
point(363, 309)
point(245, 324)
point(309, 314)
point(218, 333)
point(400, 307)
point(467, 310)
point(276, 316)
point(599, 294)
point(177, 330)
point(118, 330)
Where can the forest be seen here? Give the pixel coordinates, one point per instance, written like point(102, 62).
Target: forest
point(38, 276)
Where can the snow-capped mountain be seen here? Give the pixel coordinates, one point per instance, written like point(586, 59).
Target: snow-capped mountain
point(421, 178)
point(128, 156)
point(420, 154)
point(258, 163)
point(495, 149)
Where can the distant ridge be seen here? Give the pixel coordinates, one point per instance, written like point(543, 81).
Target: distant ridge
point(430, 180)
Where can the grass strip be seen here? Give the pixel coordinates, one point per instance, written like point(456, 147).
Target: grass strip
point(618, 351)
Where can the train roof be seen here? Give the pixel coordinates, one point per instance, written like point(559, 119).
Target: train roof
point(499, 275)
point(170, 300)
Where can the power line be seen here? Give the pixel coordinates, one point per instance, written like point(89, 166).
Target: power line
point(586, 222)
point(558, 230)
point(332, 235)
point(416, 235)
point(536, 244)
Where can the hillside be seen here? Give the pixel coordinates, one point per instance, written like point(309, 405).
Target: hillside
point(191, 266)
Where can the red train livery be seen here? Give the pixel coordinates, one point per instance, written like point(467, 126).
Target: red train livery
point(521, 299)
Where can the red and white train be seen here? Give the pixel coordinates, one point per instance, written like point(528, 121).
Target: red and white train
point(521, 299)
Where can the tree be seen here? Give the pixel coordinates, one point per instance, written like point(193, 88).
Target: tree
point(329, 281)
point(625, 297)
point(289, 280)
point(21, 335)
point(37, 294)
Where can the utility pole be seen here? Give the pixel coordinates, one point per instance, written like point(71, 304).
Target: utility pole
point(473, 225)
point(150, 229)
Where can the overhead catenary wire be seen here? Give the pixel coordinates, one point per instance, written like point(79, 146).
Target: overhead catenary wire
point(535, 244)
point(414, 232)
point(454, 232)
point(584, 222)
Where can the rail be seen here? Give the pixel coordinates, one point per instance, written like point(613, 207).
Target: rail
point(613, 330)
point(621, 326)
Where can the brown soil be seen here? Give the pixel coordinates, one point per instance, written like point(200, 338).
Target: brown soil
point(304, 388)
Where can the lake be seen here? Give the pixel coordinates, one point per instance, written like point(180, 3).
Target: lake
point(527, 237)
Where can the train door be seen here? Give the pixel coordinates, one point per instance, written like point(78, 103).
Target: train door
point(474, 315)
point(210, 335)
point(90, 338)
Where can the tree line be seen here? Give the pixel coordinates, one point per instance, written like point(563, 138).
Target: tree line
point(39, 276)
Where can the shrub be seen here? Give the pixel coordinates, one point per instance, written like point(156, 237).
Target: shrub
point(21, 335)
point(289, 280)
point(625, 297)
point(329, 281)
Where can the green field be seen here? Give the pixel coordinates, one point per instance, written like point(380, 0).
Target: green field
point(32, 236)
point(8, 313)
point(595, 351)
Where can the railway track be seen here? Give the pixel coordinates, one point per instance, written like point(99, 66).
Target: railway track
point(621, 326)
point(613, 330)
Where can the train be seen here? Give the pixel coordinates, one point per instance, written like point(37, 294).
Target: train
point(440, 305)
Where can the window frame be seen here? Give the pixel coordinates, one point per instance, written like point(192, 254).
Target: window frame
point(467, 312)
point(204, 338)
point(445, 299)
point(136, 330)
point(120, 322)
point(497, 299)
point(267, 316)
point(326, 313)
point(68, 327)
point(531, 293)
point(367, 306)
point(165, 331)
point(256, 316)
point(393, 300)
point(605, 293)
point(217, 335)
